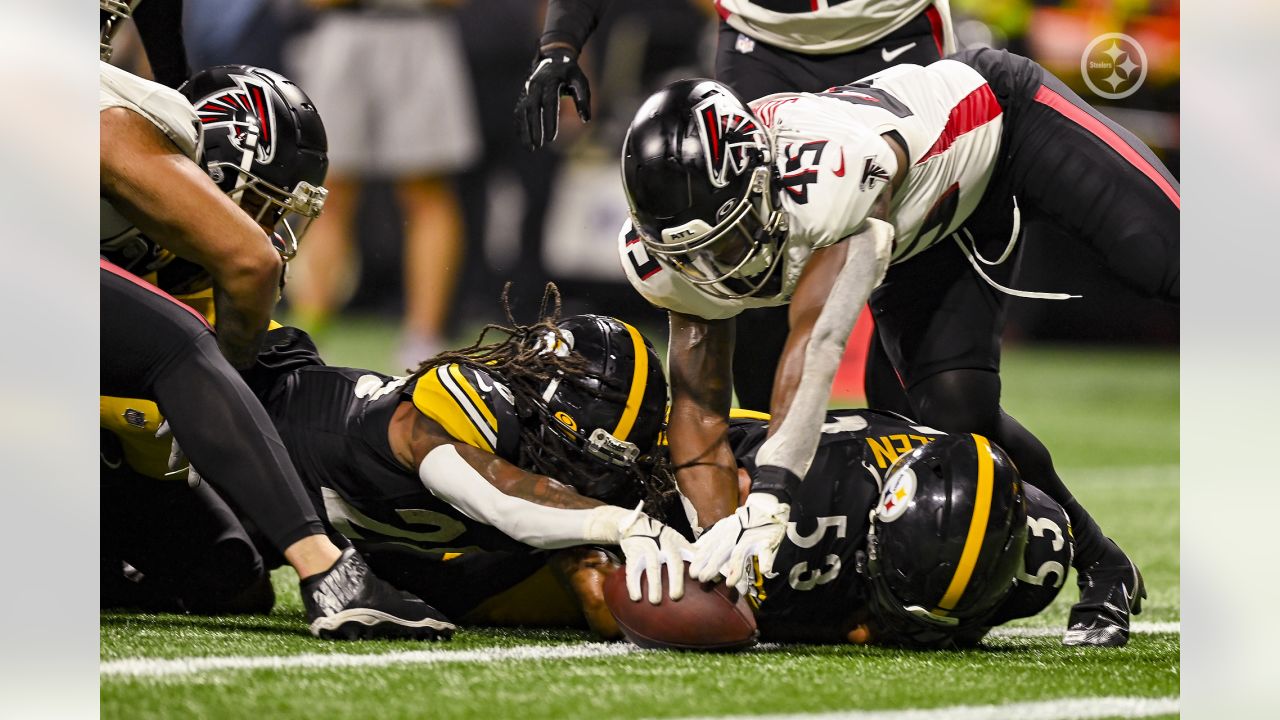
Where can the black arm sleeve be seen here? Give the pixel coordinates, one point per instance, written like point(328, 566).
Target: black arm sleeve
point(160, 27)
point(572, 21)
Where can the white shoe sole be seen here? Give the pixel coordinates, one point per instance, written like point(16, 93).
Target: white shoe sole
point(370, 617)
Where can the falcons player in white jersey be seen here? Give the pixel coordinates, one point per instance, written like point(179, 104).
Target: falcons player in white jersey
point(905, 190)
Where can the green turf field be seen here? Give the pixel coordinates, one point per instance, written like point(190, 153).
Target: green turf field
point(1111, 418)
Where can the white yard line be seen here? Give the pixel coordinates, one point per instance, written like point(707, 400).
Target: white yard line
point(1064, 709)
point(169, 667)
point(158, 667)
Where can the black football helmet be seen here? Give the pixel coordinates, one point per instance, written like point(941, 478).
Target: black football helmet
point(596, 429)
point(945, 541)
point(697, 168)
point(264, 145)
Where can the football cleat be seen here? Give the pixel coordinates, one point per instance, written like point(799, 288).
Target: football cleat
point(1109, 594)
point(348, 602)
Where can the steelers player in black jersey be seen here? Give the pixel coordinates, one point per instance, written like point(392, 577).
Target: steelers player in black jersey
point(540, 441)
point(930, 585)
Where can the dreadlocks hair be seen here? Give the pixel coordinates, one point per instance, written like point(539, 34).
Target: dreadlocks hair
point(524, 361)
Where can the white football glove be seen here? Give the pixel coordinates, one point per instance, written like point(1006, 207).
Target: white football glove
point(755, 530)
point(179, 466)
point(648, 545)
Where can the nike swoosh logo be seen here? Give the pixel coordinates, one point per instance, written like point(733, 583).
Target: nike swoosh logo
point(113, 465)
point(482, 384)
point(840, 171)
point(888, 56)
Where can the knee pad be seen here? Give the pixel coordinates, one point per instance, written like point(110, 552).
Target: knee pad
point(958, 401)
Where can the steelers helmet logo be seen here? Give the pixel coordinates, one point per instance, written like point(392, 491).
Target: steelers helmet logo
point(899, 488)
point(568, 421)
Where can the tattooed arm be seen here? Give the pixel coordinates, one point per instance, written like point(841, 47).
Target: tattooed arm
point(700, 357)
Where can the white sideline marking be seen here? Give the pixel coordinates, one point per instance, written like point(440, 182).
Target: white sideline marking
point(1064, 709)
point(1137, 627)
point(167, 667)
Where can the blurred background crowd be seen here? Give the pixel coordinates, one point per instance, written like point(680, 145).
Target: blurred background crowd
point(428, 180)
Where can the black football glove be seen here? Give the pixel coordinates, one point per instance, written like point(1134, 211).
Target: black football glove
point(555, 73)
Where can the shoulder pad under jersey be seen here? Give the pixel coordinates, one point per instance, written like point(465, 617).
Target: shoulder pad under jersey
point(472, 407)
point(165, 107)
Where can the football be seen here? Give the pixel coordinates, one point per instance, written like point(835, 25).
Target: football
point(710, 616)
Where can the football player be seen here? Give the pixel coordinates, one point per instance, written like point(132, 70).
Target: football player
point(182, 546)
point(876, 478)
point(763, 47)
point(807, 200)
point(460, 455)
point(155, 347)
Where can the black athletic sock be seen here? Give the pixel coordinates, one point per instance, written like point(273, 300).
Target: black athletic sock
point(230, 440)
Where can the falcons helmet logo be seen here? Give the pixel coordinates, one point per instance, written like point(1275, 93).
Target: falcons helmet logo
point(239, 109)
point(730, 137)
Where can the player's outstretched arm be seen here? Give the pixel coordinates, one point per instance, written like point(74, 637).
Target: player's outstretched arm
point(833, 287)
point(534, 509)
point(170, 199)
point(700, 358)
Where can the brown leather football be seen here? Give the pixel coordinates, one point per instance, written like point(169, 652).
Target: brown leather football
point(708, 617)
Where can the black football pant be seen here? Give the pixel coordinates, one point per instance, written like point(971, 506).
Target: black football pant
point(941, 322)
point(763, 70)
point(183, 547)
point(154, 347)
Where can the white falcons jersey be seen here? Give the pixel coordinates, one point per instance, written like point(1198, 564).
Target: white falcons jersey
point(824, 27)
point(833, 164)
point(165, 107)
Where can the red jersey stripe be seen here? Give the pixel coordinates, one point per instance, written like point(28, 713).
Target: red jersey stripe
point(976, 109)
point(121, 272)
point(1100, 130)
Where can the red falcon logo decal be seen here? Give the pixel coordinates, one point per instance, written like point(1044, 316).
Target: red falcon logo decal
point(238, 109)
point(729, 137)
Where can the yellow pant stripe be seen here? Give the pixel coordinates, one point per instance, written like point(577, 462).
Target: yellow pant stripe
point(639, 378)
point(977, 527)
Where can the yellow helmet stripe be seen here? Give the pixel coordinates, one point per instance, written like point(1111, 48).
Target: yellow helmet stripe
point(639, 378)
point(977, 527)
point(744, 414)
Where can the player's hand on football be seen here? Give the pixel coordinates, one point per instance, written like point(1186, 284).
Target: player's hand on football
point(555, 73)
point(647, 545)
point(755, 530)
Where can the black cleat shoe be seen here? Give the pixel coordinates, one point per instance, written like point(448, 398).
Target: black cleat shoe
point(350, 603)
point(1109, 594)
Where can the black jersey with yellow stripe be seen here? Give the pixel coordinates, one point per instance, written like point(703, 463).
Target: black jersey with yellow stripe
point(816, 590)
point(334, 422)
